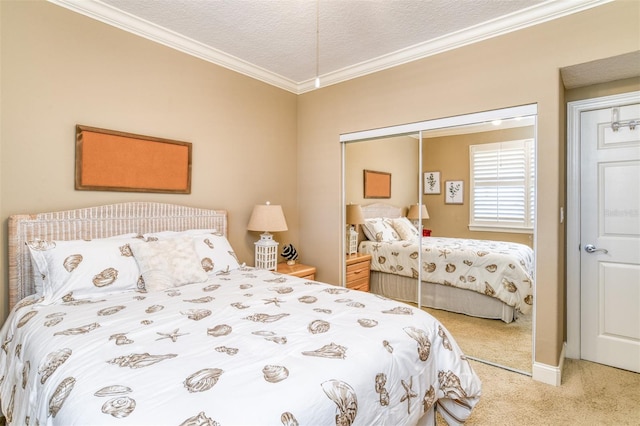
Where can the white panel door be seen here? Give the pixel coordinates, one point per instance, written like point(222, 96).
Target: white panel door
point(610, 237)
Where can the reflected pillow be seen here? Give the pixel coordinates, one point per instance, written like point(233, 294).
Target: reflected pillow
point(380, 230)
point(405, 229)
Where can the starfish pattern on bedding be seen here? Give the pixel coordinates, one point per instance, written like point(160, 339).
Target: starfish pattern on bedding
point(445, 252)
point(409, 393)
point(173, 335)
point(273, 300)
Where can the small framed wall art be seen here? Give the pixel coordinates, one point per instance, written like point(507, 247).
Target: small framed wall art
point(377, 184)
point(431, 182)
point(454, 192)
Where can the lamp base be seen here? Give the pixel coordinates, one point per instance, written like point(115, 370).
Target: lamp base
point(352, 240)
point(266, 256)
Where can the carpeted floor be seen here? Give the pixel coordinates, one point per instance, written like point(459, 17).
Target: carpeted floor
point(491, 340)
point(590, 394)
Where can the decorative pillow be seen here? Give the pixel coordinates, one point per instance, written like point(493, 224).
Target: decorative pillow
point(379, 229)
point(168, 263)
point(405, 229)
point(84, 268)
point(214, 250)
point(366, 231)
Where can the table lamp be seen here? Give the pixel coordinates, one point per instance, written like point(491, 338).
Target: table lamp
point(417, 212)
point(267, 218)
point(354, 218)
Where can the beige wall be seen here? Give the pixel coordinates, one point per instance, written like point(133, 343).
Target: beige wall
point(398, 156)
point(253, 142)
point(60, 69)
point(450, 156)
point(515, 69)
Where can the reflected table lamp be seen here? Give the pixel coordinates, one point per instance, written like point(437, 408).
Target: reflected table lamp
point(354, 218)
point(417, 212)
point(267, 218)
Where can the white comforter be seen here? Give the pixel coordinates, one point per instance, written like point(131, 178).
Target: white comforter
point(499, 269)
point(248, 347)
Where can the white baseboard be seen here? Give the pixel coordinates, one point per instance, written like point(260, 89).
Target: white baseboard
point(549, 374)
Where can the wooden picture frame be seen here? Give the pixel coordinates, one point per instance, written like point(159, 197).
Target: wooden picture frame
point(431, 183)
point(377, 184)
point(454, 192)
point(109, 160)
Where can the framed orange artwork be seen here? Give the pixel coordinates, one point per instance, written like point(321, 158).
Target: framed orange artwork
point(377, 184)
point(108, 160)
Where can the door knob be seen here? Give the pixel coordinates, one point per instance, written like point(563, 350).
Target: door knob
point(590, 248)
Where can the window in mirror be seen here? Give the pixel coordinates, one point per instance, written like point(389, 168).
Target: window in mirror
point(502, 186)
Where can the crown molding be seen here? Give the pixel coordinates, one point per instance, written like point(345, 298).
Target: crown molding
point(534, 15)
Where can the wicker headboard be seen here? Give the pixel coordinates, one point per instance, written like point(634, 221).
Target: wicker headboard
point(97, 222)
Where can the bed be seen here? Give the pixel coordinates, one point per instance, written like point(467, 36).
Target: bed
point(482, 278)
point(176, 331)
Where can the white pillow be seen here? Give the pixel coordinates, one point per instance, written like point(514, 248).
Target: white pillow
point(380, 230)
point(85, 268)
point(168, 263)
point(405, 229)
point(214, 250)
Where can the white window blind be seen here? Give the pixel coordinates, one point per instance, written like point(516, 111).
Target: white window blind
point(502, 186)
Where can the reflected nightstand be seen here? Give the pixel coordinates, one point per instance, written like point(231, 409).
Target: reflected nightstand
point(358, 266)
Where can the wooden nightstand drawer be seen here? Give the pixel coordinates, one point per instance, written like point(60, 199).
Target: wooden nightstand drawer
point(311, 277)
point(358, 271)
point(298, 270)
point(361, 284)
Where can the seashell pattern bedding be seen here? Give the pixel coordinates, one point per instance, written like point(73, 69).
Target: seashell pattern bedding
point(498, 269)
point(245, 347)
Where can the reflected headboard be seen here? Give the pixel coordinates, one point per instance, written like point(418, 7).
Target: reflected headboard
point(97, 222)
point(381, 210)
point(374, 210)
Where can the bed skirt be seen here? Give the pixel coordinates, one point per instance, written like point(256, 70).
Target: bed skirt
point(443, 297)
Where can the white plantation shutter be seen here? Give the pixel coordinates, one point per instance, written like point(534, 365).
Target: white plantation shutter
point(502, 185)
point(532, 183)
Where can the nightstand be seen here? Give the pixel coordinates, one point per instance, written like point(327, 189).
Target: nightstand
point(358, 271)
point(298, 270)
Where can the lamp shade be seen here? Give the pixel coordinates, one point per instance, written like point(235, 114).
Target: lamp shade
point(267, 218)
point(354, 214)
point(415, 210)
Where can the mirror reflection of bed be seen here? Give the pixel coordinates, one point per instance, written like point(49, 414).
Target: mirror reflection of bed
point(488, 328)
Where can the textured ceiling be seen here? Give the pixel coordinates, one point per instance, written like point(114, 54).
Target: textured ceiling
point(603, 70)
point(275, 40)
point(280, 36)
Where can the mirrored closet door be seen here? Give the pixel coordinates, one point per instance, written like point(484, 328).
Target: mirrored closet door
point(435, 155)
point(381, 183)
